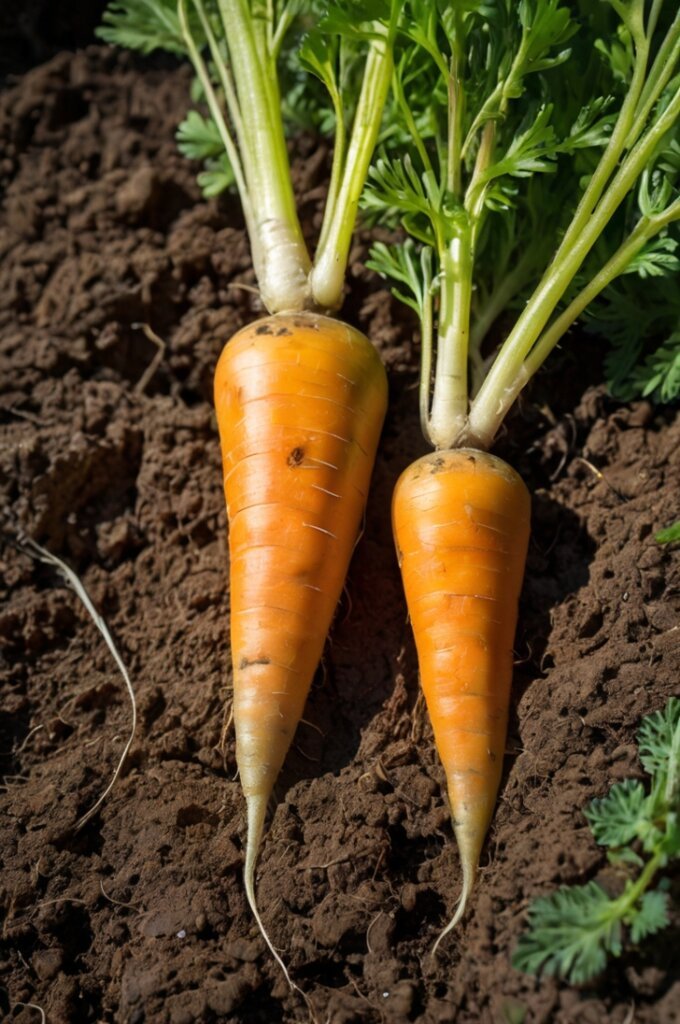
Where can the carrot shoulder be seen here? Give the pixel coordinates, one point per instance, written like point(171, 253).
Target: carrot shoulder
point(461, 527)
point(300, 401)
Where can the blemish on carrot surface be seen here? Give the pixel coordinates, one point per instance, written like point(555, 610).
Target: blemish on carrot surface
point(247, 662)
point(296, 456)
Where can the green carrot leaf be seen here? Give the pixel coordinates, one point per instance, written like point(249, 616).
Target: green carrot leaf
point(570, 934)
point(318, 55)
point(620, 816)
point(671, 535)
point(625, 855)
point(395, 187)
point(629, 375)
point(547, 26)
point(217, 177)
point(659, 181)
point(198, 137)
point(572, 931)
point(659, 742)
point(619, 53)
point(531, 151)
point(659, 374)
point(656, 259)
point(650, 917)
point(404, 265)
point(356, 19)
point(144, 25)
point(592, 127)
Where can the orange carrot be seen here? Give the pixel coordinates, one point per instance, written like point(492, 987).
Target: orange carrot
point(300, 398)
point(461, 527)
point(300, 402)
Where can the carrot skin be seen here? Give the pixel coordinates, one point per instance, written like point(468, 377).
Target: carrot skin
point(461, 526)
point(300, 401)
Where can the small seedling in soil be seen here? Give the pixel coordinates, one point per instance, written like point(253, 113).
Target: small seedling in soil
point(573, 931)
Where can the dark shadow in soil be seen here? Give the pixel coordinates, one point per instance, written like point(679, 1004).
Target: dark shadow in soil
point(31, 31)
point(558, 564)
point(260, 1007)
point(14, 728)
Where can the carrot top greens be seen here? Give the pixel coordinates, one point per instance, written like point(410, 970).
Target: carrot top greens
point(644, 304)
point(238, 51)
point(531, 152)
point(533, 157)
point(572, 931)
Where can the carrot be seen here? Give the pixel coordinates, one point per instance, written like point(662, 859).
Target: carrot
point(300, 401)
point(300, 398)
point(461, 527)
point(465, 168)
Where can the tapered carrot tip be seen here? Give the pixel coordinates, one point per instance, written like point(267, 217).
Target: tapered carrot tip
point(256, 813)
point(470, 842)
point(461, 527)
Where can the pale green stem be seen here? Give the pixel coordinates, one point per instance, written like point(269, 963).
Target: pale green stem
point(644, 230)
point(339, 149)
point(478, 365)
point(263, 34)
point(270, 25)
point(279, 252)
point(426, 329)
point(450, 396)
point(495, 104)
point(456, 97)
point(509, 374)
point(285, 21)
point(658, 78)
point(475, 193)
point(328, 273)
point(218, 118)
point(654, 17)
point(628, 899)
point(618, 141)
point(407, 114)
point(223, 72)
point(671, 787)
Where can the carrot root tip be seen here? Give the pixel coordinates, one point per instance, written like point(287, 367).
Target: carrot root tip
point(257, 812)
point(461, 906)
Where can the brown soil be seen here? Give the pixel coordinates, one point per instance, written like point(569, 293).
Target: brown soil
point(140, 916)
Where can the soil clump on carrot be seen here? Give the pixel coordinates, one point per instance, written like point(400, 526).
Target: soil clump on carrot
point(141, 917)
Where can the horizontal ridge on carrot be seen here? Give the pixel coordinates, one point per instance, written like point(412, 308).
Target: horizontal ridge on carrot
point(530, 169)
